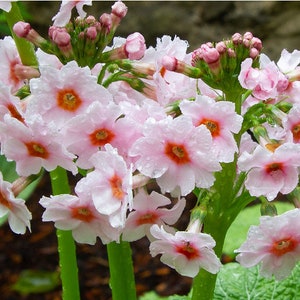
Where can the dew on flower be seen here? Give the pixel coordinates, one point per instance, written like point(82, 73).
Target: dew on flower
point(36, 149)
point(68, 100)
point(101, 136)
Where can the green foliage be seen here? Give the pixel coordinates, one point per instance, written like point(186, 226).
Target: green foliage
point(36, 281)
point(235, 282)
point(153, 296)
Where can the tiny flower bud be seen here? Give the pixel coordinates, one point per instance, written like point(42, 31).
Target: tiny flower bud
point(119, 9)
point(135, 46)
point(91, 33)
point(21, 29)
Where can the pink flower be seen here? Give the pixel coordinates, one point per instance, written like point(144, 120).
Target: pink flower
point(221, 120)
point(100, 125)
point(186, 252)
point(10, 104)
point(64, 15)
point(18, 214)
point(61, 94)
point(274, 243)
point(292, 123)
point(110, 185)
point(271, 172)
point(9, 60)
point(177, 154)
point(6, 5)
point(265, 83)
point(35, 146)
point(147, 212)
point(79, 214)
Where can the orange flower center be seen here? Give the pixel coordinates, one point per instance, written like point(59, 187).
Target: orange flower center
point(36, 149)
point(116, 186)
point(68, 99)
point(14, 113)
point(102, 136)
point(187, 250)
point(273, 167)
point(212, 126)
point(296, 132)
point(148, 218)
point(283, 246)
point(4, 201)
point(82, 213)
point(177, 153)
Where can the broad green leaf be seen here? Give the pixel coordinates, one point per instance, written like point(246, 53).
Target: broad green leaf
point(36, 281)
point(235, 282)
point(237, 232)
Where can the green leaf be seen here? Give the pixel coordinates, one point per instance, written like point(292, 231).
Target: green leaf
point(237, 233)
point(36, 281)
point(235, 282)
point(153, 296)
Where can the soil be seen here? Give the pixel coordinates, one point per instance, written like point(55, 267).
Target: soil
point(38, 251)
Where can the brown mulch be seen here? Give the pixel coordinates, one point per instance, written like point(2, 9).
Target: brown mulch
point(38, 251)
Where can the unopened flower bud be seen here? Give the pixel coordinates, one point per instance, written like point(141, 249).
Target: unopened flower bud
point(135, 46)
point(24, 30)
point(91, 33)
point(105, 21)
point(119, 9)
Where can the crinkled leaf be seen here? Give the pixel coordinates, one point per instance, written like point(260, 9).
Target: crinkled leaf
point(36, 281)
point(235, 282)
point(237, 232)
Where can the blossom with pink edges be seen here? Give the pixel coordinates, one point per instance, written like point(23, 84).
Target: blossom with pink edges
point(274, 244)
point(186, 252)
point(271, 172)
point(9, 60)
point(149, 210)
point(177, 154)
point(109, 185)
point(64, 15)
point(18, 214)
point(221, 120)
point(78, 213)
point(34, 147)
point(61, 94)
point(266, 82)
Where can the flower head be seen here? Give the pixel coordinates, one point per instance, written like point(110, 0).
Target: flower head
point(274, 244)
point(177, 154)
point(18, 214)
point(78, 213)
point(149, 210)
point(186, 252)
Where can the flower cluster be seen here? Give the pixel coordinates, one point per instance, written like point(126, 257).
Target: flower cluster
point(123, 115)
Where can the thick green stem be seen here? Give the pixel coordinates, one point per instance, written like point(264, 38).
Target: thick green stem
point(25, 48)
point(121, 271)
point(66, 244)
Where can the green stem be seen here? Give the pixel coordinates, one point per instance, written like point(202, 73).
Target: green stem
point(121, 271)
point(66, 244)
point(25, 48)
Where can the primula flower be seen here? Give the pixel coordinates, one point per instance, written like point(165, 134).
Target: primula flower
point(271, 172)
point(64, 15)
point(274, 244)
point(110, 185)
point(18, 214)
point(177, 154)
point(186, 252)
point(100, 125)
point(9, 60)
point(33, 147)
point(291, 123)
point(79, 214)
point(148, 211)
point(221, 120)
point(10, 104)
point(61, 94)
point(266, 82)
